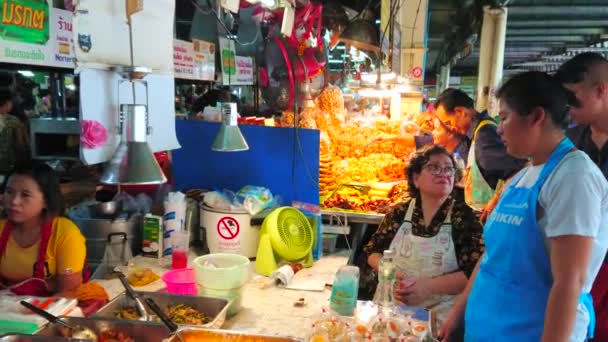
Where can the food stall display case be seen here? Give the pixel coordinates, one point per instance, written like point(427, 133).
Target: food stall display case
point(367, 136)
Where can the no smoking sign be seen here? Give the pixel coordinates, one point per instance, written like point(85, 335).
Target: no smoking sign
point(228, 228)
point(416, 72)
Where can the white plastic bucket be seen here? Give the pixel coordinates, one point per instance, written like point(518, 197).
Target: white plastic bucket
point(222, 276)
point(230, 232)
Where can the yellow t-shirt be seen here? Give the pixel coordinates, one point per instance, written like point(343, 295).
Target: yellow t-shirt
point(65, 254)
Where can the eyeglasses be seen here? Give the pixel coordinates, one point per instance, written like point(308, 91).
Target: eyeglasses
point(437, 170)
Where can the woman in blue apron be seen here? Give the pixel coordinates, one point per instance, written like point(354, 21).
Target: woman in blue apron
point(546, 239)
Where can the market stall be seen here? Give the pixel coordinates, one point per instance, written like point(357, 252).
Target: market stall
point(362, 166)
point(195, 269)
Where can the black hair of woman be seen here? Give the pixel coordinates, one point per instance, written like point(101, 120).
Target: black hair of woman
point(48, 183)
point(532, 89)
point(420, 158)
point(5, 96)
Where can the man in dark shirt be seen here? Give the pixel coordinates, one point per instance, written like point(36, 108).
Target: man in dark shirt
point(458, 126)
point(586, 75)
point(456, 114)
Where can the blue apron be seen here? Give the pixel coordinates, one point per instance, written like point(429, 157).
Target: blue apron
point(510, 294)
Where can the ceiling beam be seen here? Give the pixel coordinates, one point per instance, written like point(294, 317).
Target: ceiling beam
point(553, 31)
point(553, 2)
point(515, 23)
point(520, 49)
point(553, 45)
point(545, 12)
point(547, 39)
point(588, 49)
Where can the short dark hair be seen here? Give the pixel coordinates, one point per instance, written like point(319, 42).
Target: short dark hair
point(48, 183)
point(578, 67)
point(452, 98)
point(5, 96)
point(420, 158)
point(531, 89)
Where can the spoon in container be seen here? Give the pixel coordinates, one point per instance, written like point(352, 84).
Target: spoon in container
point(173, 328)
point(143, 314)
point(79, 332)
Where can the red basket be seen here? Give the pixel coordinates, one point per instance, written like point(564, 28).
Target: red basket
point(181, 282)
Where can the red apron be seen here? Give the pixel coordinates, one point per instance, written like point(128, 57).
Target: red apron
point(35, 286)
point(599, 291)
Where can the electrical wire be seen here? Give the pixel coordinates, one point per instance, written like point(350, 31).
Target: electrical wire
point(369, 3)
point(413, 32)
point(395, 6)
point(298, 148)
point(217, 17)
point(390, 19)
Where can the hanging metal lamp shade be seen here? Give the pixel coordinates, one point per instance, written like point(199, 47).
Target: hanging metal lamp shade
point(362, 33)
point(229, 138)
point(133, 161)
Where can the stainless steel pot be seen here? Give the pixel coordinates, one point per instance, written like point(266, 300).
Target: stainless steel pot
point(98, 231)
point(107, 208)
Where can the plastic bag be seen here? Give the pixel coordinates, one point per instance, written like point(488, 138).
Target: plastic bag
point(328, 327)
point(143, 203)
point(117, 253)
point(255, 198)
point(217, 200)
point(331, 101)
point(307, 118)
point(126, 201)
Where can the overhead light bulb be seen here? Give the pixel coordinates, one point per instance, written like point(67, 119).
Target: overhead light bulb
point(26, 73)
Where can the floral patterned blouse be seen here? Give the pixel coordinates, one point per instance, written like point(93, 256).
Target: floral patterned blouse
point(467, 233)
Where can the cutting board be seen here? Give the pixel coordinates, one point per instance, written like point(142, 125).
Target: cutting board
point(14, 318)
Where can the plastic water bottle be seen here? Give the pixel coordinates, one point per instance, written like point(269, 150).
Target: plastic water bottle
point(386, 280)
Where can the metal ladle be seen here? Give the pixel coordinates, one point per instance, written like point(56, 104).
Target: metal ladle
point(143, 314)
point(173, 328)
point(78, 332)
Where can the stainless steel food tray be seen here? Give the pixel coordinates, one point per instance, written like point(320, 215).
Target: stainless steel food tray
point(34, 338)
point(139, 331)
point(231, 335)
point(211, 307)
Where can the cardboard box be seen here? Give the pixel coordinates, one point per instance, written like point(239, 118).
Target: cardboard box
point(152, 245)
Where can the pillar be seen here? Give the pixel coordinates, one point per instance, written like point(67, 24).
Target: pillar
point(491, 57)
point(443, 79)
point(408, 37)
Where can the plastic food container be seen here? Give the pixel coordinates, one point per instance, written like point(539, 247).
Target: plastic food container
point(181, 282)
point(223, 275)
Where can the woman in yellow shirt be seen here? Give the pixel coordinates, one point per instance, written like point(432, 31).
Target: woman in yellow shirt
point(41, 252)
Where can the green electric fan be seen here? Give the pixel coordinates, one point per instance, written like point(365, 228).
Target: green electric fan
point(286, 236)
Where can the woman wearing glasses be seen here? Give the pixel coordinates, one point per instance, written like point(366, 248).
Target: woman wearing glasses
point(436, 237)
point(547, 237)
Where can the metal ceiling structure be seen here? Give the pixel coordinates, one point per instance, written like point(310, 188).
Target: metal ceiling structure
point(542, 34)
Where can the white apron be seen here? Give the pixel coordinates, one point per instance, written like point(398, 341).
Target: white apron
point(426, 257)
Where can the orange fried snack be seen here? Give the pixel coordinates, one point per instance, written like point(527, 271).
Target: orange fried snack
point(87, 291)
